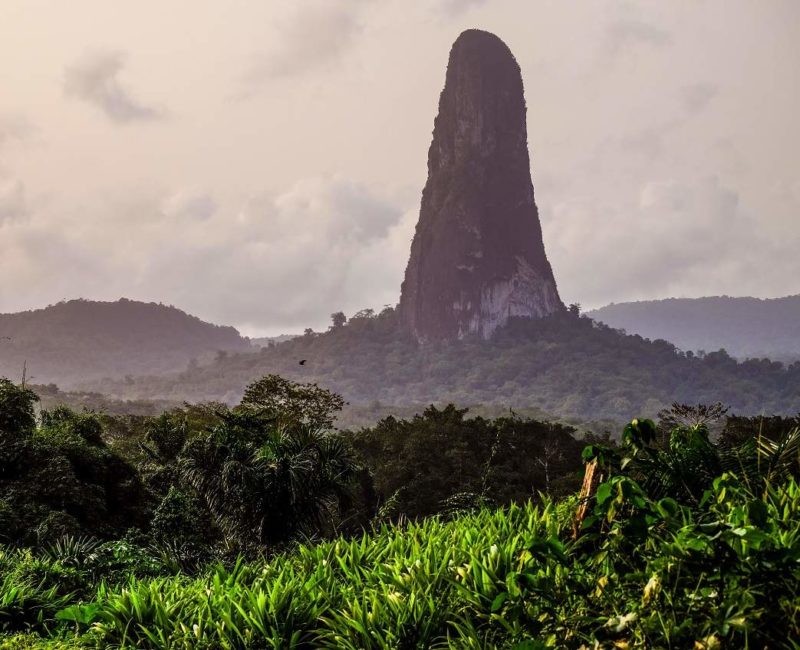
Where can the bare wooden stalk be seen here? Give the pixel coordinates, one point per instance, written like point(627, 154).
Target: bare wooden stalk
point(591, 479)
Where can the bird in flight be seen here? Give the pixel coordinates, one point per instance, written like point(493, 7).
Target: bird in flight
point(6, 338)
point(302, 362)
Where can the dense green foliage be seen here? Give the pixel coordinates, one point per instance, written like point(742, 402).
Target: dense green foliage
point(264, 485)
point(443, 460)
point(193, 476)
point(287, 402)
point(66, 472)
point(564, 364)
point(646, 572)
point(212, 479)
point(60, 477)
point(186, 530)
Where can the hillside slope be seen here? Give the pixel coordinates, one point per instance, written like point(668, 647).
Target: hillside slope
point(74, 342)
point(744, 327)
point(564, 365)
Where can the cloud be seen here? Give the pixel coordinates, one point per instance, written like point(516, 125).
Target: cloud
point(189, 205)
point(48, 264)
point(14, 128)
point(457, 7)
point(697, 96)
point(282, 261)
point(647, 142)
point(625, 33)
point(671, 238)
point(94, 80)
point(291, 258)
point(13, 206)
point(315, 36)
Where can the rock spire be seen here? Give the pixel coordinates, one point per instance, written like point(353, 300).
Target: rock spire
point(477, 257)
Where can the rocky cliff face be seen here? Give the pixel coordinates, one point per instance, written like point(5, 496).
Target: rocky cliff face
point(477, 257)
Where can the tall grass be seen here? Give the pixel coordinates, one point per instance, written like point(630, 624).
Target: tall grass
point(726, 574)
point(395, 588)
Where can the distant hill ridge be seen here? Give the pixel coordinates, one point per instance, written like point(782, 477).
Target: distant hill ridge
point(745, 327)
point(82, 340)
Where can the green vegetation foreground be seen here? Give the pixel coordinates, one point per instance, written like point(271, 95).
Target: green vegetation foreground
point(687, 544)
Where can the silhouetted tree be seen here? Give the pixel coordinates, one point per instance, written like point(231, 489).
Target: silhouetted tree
point(288, 402)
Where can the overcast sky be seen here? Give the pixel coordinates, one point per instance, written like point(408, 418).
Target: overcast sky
point(260, 163)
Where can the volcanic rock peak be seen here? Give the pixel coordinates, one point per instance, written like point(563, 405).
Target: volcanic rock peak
point(477, 258)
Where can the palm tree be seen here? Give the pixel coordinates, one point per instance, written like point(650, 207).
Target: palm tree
point(265, 483)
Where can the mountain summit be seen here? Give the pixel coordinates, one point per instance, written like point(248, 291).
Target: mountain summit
point(477, 257)
point(79, 341)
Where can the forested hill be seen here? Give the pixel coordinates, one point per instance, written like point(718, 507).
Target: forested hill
point(744, 327)
point(566, 365)
point(77, 341)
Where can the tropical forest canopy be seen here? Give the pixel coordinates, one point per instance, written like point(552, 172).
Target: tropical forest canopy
point(217, 526)
point(565, 365)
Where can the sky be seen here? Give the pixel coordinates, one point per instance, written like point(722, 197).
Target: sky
point(260, 164)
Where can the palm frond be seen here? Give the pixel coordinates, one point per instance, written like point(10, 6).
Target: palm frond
point(777, 457)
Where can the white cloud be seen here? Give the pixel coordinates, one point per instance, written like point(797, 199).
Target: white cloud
point(697, 96)
point(314, 36)
point(673, 238)
point(14, 128)
point(629, 32)
point(13, 205)
point(289, 259)
point(94, 79)
point(188, 205)
point(457, 7)
point(280, 262)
